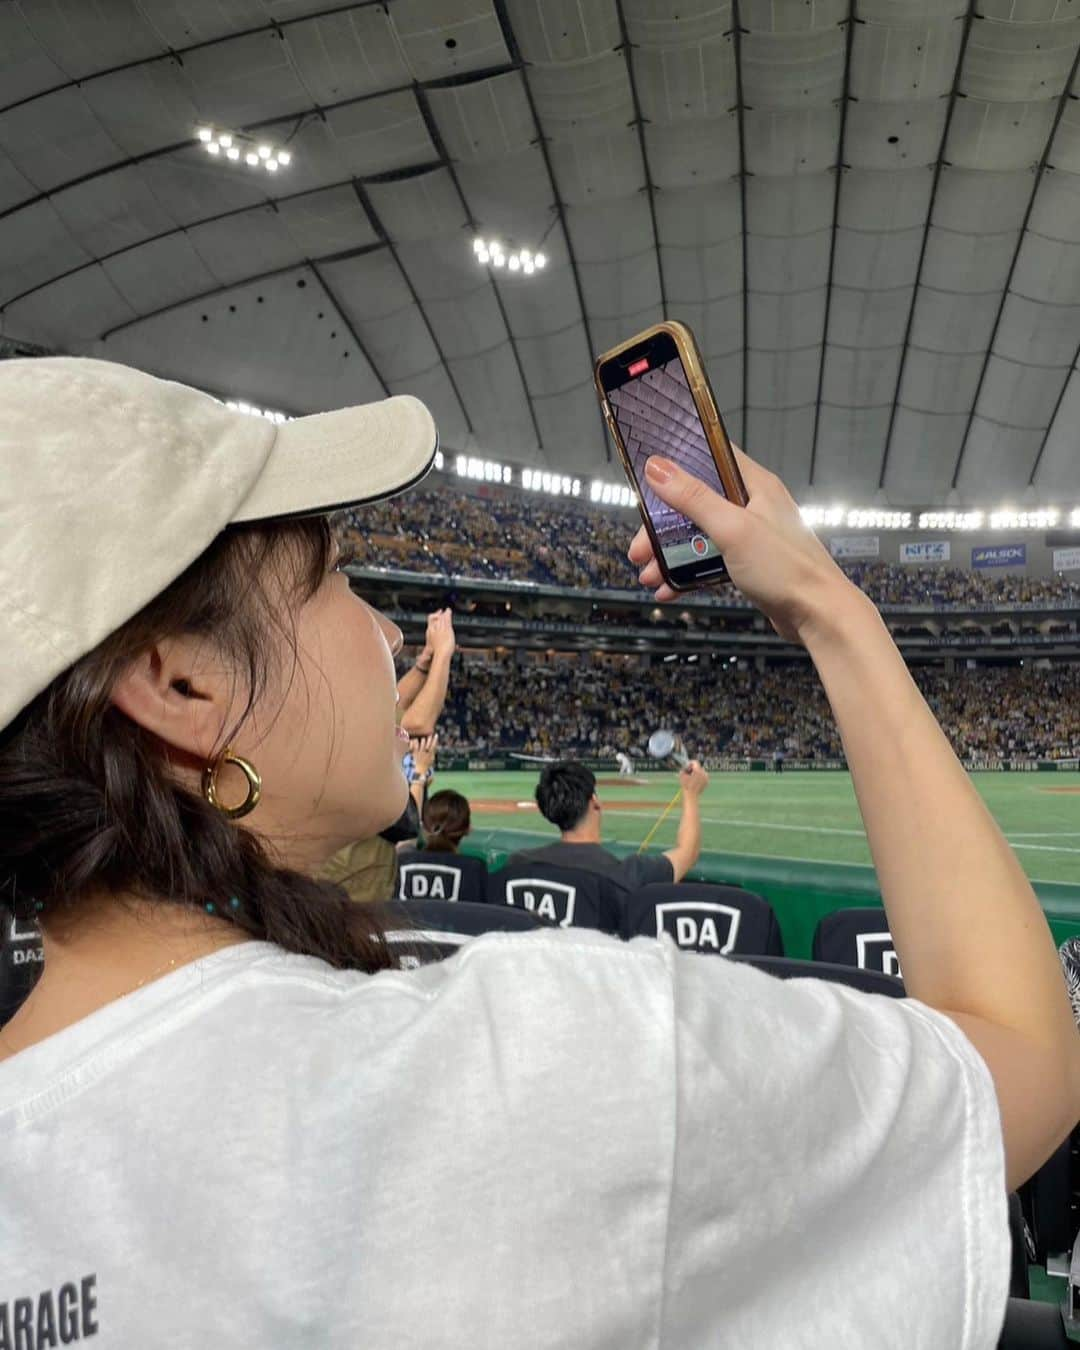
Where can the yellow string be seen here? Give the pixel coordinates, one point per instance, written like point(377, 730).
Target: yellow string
point(663, 817)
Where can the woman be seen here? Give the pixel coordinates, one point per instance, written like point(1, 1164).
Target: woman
point(447, 820)
point(438, 871)
point(225, 1120)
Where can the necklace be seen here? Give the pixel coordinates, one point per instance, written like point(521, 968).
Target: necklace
point(147, 978)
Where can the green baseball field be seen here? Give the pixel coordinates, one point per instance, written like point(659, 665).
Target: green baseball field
point(798, 816)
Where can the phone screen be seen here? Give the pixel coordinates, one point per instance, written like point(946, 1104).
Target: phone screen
point(657, 415)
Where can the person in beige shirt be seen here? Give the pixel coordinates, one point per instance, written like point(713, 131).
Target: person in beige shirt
point(368, 868)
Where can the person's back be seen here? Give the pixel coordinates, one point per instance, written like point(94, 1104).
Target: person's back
point(566, 796)
point(438, 871)
point(623, 1184)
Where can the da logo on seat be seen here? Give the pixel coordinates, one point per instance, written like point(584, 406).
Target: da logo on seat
point(429, 881)
point(699, 925)
point(549, 899)
point(875, 951)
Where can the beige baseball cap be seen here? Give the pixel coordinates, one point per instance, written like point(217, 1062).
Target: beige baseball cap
point(112, 482)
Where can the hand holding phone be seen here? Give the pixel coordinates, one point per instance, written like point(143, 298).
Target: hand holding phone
point(657, 400)
point(771, 555)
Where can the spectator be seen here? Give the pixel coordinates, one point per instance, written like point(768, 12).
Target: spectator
point(447, 820)
point(367, 868)
point(566, 796)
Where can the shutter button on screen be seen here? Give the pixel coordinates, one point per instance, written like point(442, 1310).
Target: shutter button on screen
point(700, 545)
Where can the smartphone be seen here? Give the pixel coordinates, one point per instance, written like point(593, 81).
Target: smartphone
point(657, 401)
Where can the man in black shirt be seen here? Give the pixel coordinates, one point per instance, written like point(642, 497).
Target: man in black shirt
point(566, 795)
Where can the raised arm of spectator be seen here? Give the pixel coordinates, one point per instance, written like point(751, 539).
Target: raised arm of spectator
point(414, 680)
point(423, 751)
point(421, 712)
point(693, 780)
point(972, 939)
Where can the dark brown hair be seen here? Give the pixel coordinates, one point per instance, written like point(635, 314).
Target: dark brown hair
point(87, 800)
point(447, 820)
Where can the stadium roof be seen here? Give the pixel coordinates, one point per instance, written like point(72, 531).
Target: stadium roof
point(868, 212)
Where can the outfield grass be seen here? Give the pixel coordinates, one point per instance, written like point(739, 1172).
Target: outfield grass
point(810, 817)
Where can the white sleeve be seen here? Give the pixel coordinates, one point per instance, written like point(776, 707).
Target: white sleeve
point(838, 1174)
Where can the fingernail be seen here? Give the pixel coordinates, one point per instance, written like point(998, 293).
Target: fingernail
point(659, 470)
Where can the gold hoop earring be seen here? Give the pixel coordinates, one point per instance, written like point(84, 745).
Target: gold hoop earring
point(254, 783)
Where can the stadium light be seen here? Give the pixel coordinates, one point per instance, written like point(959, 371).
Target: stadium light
point(1074, 519)
point(271, 415)
point(483, 470)
point(951, 520)
point(611, 494)
point(522, 261)
point(816, 516)
point(878, 520)
point(555, 484)
point(238, 145)
point(1007, 519)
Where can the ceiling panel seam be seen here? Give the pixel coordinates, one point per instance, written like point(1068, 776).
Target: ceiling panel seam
point(343, 316)
point(443, 153)
point(639, 124)
point(236, 285)
point(1044, 162)
point(510, 38)
point(841, 165)
point(953, 96)
point(1053, 418)
point(178, 53)
point(380, 230)
point(272, 203)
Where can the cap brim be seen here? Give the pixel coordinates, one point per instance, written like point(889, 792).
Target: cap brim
point(337, 459)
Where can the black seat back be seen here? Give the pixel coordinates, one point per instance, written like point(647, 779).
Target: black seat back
point(567, 896)
point(788, 968)
point(22, 959)
point(441, 876)
point(422, 931)
point(720, 920)
point(857, 937)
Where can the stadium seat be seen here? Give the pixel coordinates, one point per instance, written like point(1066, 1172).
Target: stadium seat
point(423, 931)
point(856, 937)
point(562, 895)
point(788, 968)
point(1050, 1202)
point(21, 961)
point(877, 982)
point(1032, 1326)
point(441, 876)
point(721, 920)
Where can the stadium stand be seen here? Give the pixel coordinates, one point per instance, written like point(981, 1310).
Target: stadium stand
point(569, 706)
point(510, 535)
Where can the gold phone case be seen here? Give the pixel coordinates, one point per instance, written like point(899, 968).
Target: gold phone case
point(711, 421)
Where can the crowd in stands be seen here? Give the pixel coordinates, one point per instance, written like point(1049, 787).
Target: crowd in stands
point(515, 536)
point(893, 584)
point(568, 708)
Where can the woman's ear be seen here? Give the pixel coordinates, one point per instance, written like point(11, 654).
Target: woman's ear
point(182, 701)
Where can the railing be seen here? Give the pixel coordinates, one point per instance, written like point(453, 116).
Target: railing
point(711, 602)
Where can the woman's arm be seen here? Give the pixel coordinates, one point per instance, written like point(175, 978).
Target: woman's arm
point(970, 934)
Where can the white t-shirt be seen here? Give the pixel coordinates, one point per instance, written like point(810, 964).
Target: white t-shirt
point(553, 1141)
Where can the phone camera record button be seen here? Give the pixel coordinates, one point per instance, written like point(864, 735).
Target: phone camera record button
point(700, 545)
